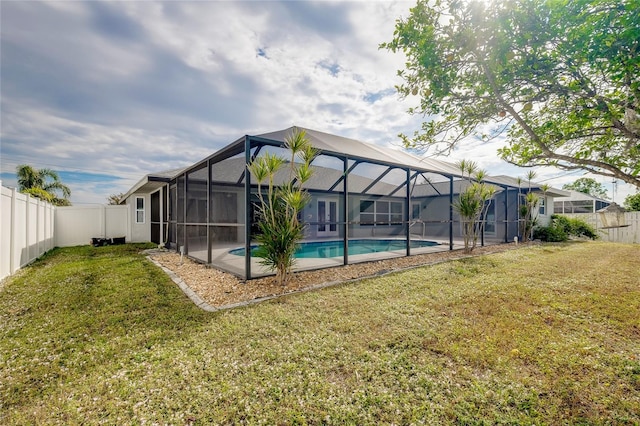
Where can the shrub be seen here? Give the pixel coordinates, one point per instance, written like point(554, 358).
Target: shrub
point(552, 233)
point(562, 227)
point(580, 228)
point(563, 223)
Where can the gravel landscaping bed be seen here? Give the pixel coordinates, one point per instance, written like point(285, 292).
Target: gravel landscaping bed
point(220, 289)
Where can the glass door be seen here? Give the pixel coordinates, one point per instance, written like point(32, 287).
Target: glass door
point(327, 218)
point(490, 219)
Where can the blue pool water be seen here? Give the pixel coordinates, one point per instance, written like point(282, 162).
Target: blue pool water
point(320, 249)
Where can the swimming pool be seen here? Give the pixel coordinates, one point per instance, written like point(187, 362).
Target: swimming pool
point(321, 249)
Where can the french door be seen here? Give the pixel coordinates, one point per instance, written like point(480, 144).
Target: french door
point(327, 218)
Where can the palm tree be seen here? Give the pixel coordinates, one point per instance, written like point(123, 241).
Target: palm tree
point(280, 228)
point(472, 203)
point(44, 184)
point(528, 209)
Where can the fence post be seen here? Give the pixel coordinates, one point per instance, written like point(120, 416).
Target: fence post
point(12, 232)
point(47, 227)
point(38, 219)
point(52, 229)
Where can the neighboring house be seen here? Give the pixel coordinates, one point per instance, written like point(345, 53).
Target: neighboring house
point(360, 192)
point(578, 202)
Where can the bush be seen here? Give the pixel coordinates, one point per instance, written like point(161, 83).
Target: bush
point(552, 233)
point(562, 227)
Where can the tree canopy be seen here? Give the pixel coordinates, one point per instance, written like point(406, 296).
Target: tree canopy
point(588, 186)
point(115, 199)
point(44, 184)
point(632, 202)
point(561, 78)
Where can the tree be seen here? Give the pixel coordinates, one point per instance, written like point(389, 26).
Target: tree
point(632, 202)
point(43, 184)
point(561, 78)
point(588, 186)
point(528, 208)
point(115, 199)
point(280, 227)
point(473, 203)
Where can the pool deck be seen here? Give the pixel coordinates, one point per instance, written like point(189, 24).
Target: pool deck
point(222, 259)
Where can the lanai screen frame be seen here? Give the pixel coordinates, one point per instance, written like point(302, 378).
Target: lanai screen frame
point(251, 142)
point(248, 143)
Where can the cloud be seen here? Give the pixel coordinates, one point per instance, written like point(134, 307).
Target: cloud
point(122, 89)
point(108, 20)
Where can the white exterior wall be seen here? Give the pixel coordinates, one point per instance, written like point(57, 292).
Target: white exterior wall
point(76, 225)
point(545, 219)
point(26, 230)
point(140, 232)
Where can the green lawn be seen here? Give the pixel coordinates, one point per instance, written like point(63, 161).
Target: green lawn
point(541, 335)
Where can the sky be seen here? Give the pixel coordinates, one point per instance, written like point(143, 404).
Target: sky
point(107, 92)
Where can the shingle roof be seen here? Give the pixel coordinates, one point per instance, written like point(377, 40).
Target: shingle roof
point(357, 149)
point(436, 171)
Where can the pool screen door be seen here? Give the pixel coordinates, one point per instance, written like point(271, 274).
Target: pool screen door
point(327, 218)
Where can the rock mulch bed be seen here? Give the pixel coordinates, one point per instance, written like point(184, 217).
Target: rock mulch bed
point(220, 289)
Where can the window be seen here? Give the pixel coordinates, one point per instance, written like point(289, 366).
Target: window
point(380, 213)
point(490, 218)
point(579, 206)
point(396, 213)
point(558, 206)
point(415, 211)
point(139, 209)
point(543, 206)
point(367, 211)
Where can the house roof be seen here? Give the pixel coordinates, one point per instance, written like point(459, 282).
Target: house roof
point(353, 148)
point(436, 172)
point(152, 182)
point(342, 146)
point(520, 183)
point(579, 196)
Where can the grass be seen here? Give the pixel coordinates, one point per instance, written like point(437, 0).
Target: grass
point(543, 335)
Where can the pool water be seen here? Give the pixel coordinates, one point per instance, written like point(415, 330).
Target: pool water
point(321, 249)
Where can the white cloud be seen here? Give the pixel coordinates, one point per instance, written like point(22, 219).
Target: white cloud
point(128, 88)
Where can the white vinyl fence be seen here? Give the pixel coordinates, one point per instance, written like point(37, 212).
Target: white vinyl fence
point(630, 233)
point(30, 227)
point(77, 225)
point(26, 230)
